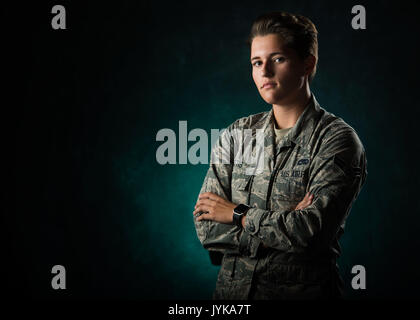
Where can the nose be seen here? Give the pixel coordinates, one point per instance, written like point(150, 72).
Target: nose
point(267, 69)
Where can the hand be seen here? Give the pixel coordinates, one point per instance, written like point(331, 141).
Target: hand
point(215, 208)
point(307, 200)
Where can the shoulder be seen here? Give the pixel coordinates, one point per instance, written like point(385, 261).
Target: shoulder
point(232, 133)
point(250, 122)
point(338, 136)
point(335, 128)
point(340, 143)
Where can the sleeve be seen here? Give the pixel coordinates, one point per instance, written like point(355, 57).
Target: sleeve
point(336, 176)
point(216, 236)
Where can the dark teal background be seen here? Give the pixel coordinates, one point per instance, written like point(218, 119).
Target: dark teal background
point(87, 191)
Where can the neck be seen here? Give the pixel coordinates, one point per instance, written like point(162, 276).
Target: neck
point(287, 112)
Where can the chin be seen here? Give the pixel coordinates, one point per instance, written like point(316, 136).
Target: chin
point(272, 99)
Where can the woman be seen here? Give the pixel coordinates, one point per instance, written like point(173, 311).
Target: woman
point(278, 222)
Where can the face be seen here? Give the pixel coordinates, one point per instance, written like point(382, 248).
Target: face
point(274, 63)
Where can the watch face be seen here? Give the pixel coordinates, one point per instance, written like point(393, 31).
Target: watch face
point(241, 209)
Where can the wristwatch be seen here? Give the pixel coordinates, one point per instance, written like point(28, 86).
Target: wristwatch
point(239, 212)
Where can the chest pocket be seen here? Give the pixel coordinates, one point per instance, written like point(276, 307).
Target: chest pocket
point(241, 184)
point(291, 181)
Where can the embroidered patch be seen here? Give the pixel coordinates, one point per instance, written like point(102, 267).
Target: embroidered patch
point(292, 173)
point(303, 161)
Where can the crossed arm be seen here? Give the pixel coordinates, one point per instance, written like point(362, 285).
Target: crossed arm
point(220, 210)
point(336, 175)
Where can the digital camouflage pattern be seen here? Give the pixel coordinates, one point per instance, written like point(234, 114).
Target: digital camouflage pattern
point(284, 253)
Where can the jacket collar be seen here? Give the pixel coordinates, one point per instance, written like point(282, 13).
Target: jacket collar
point(300, 133)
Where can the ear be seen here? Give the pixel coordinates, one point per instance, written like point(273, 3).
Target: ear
point(310, 62)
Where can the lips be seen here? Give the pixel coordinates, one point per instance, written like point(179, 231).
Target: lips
point(268, 85)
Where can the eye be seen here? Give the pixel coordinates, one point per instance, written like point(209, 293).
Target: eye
point(281, 59)
point(255, 63)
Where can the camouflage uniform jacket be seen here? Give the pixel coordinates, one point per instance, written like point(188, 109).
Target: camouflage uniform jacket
point(283, 253)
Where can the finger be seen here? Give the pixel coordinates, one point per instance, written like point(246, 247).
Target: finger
point(202, 208)
point(206, 202)
point(304, 200)
point(206, 195)
point(307, 202)
point(207, 216)
point(199, 202)
point(300, 205)
point(311, 198)
point(198, 209)
point(308, 198)
point(209, 195)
